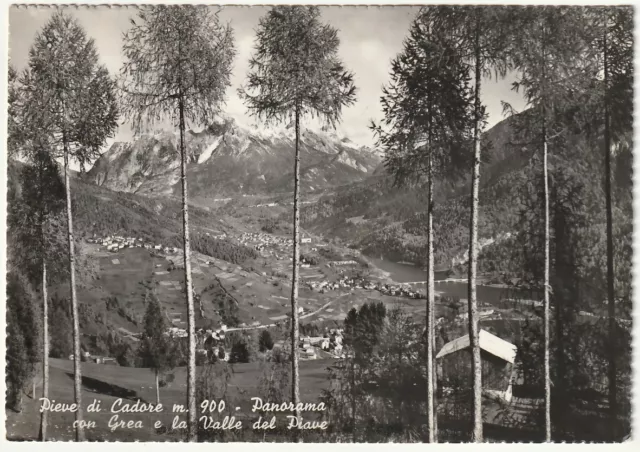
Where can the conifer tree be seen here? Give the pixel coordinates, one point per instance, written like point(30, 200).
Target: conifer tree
point(481, 34)
point(426, 110)
point(71, 97)
point(547, 53)
point(40, 239)
point(156, 349)
point(265, 341)
point(613, 30)
point(22, 338)
point(35, 218)
point(295, 72)
point(177, 64)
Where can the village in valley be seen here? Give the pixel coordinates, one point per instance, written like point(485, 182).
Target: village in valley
point(329, 288)
point(337, 285)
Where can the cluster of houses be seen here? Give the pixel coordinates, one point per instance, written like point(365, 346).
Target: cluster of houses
point(398, 290)
point(220, 236)
point(324, 286)
point(269, 244)
point(260, 240)
point(114, 243)
point(331, 342)
point(358, 283)
point(212, 342)
point(175, 332)
point(207, 341)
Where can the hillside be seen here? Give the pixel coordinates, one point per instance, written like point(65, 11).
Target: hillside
point(381, 219)
point(228, 159)
point(112, 286)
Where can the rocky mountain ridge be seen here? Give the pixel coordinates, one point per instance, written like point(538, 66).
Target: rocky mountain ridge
point(228, 159)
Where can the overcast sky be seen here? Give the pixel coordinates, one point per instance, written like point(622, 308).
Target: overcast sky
point(370, 37)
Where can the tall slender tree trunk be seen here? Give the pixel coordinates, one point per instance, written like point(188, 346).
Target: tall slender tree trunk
point(157, 389)
point(435, 379)
point(476, 363)
point(613, 404)
point(42, 436)
point(354, 403)
point(547, 286)
point(295, 371)
point(562, 276)
point(430, 300)
point(192, 434)
point(77, 378)
point(431, 283)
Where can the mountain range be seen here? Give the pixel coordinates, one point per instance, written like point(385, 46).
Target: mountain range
point(229, 159)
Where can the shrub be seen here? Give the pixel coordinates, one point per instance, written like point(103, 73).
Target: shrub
point(269, 225)
point(265, 342)
point(239, 352)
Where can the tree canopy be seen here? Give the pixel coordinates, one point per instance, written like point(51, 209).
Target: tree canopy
point(426, 105)
point(157, 351)
point(35, 220)
point(69, 94)
point(295, 68)
point(175, 52)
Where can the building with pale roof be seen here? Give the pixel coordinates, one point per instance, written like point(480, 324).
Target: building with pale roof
point(498, 365)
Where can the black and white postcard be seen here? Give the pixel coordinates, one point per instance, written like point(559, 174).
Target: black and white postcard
point(299, 223)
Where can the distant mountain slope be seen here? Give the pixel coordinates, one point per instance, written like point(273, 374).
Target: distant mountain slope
point(227, 159)
point(380, 219)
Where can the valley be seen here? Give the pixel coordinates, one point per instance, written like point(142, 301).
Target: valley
point(362, 243)
point(241, 236)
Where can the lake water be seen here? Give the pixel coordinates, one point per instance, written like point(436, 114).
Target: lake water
point(403, 273)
